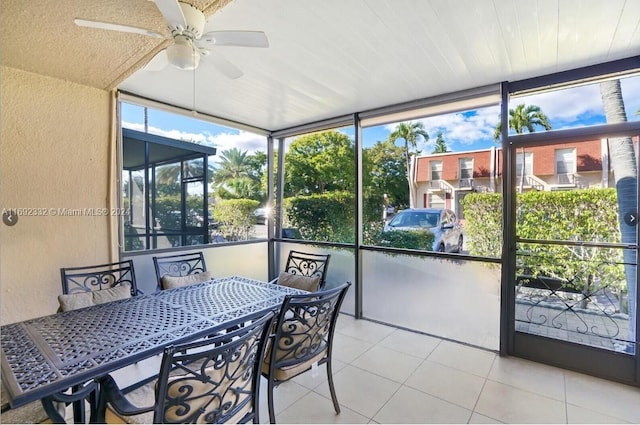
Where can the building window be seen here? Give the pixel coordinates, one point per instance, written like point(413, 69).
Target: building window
point(528, 163)
point(465, 166)
point(565, 165)
point(436, 170)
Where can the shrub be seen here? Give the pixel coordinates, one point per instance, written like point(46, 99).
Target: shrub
point(410, 239)
point(323, 217)
point(577, 216)
point(235, 217)
point(483, 223)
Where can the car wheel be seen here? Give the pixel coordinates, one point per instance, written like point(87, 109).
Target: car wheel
point(460, 242)
point(441, 248)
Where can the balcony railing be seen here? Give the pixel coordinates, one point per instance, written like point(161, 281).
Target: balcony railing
point(567, 178)
point(531, 182)
point(465, 184)
point(440, 185)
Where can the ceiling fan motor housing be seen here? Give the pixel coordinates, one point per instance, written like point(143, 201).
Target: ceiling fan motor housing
point(194, 20)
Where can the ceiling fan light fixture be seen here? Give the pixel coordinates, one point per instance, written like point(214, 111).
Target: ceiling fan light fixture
point(182, 54)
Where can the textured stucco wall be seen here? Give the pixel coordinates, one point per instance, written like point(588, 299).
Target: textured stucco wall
point(54, 153)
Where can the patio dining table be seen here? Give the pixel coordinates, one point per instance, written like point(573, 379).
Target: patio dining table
point(43, 356)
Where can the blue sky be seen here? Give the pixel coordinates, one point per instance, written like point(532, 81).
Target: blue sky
point(471, 130)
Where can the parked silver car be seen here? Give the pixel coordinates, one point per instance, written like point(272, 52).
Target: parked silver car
point(443, 223)
point(261, 215)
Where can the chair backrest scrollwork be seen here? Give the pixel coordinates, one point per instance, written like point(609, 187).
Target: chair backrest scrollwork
point(306, 264)
point(214, 380)
point(305, 327)
point(98, 277)
point(179, 265)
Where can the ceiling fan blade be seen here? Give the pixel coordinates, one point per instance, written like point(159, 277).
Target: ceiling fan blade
point(116, 27)
point(236, 38)
point(172, 12)
point(158, 62)
point(225, 67)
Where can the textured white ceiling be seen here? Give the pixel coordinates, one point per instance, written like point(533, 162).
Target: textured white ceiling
point(326, 58)
point(40, 36)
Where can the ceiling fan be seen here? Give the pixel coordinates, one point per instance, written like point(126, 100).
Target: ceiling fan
point(186, 24)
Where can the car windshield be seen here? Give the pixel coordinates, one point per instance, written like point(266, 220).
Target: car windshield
point(415, 219)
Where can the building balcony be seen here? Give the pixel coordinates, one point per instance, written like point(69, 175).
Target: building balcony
point(439, 186)
point(465, 183)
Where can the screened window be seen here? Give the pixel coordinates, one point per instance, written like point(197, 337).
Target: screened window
point(454, 160)
point(525, 166)
point(319, 182)
point(466, 168)
point(164, 191)
point(178, 189)
point(565, 165)
point(436, 170)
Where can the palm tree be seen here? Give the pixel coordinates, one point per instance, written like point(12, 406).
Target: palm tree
point(625, 170)
point(410, 132)
point(523, 118)
point(170, 174)
point(234, 177)
point(441, 145)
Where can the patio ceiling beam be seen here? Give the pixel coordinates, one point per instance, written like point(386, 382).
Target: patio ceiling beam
point(451, 102)
point(575, 77)
point(553, 137)
point(341, 121)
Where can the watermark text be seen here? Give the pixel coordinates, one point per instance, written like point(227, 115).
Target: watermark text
point(67, 212)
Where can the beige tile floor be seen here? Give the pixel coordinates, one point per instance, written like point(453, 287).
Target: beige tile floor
point(388, 375)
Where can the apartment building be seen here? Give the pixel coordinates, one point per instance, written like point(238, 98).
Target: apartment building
point(444, 179)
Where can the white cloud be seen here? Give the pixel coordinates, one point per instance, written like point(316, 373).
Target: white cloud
point(463, 128)
point(243, 140)
point(460, 128)
point(568, 105)
point(572, 105)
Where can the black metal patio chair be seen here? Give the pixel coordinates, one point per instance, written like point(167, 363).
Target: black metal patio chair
point(180, 269)
point(303, 336)
point(211, 380)
point(99, 277)
point(305, 271)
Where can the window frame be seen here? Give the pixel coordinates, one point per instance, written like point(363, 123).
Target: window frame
point(433, 169)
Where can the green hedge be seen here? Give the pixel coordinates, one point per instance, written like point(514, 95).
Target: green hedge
point(330, 217)
point(483, 223)
point(576, 215)
point(235, 217)
point(324, 217)
point(411, 239)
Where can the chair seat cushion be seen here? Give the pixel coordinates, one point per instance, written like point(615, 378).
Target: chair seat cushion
point(306, 283)
point(170, 282)
point(200, 394)
point(285, 373)
point(86, 299)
